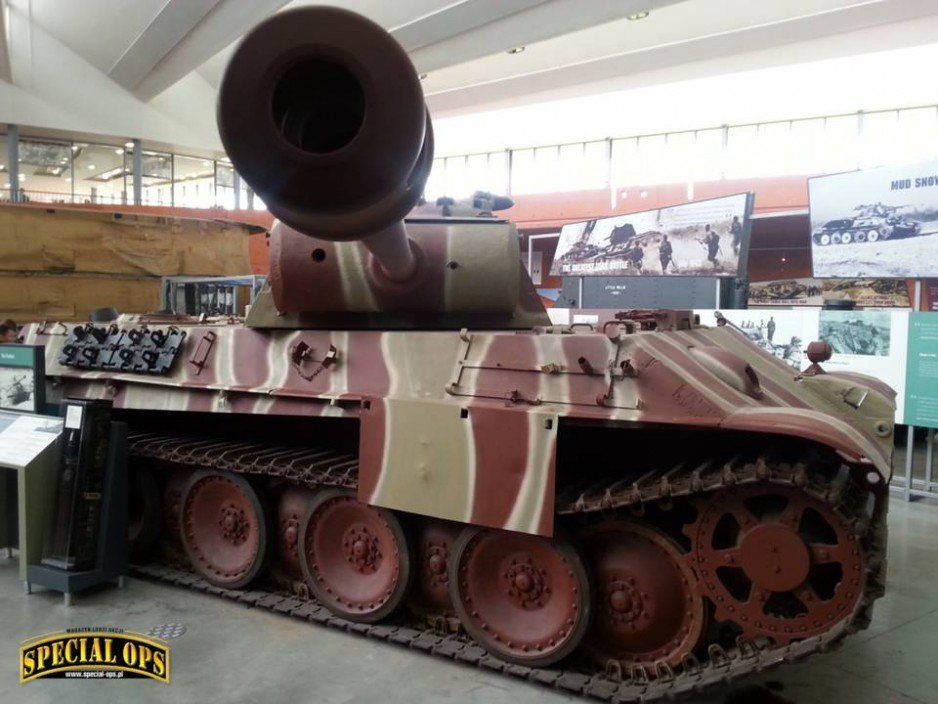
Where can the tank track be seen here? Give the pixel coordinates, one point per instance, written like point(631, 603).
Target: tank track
point(643, 683)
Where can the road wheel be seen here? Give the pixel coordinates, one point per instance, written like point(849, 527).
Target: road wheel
point(355, 557)
point(224, 528)
point(846, 237)
point(872, 235)
point(824, 239)
point(524, 598)
point(835, 238)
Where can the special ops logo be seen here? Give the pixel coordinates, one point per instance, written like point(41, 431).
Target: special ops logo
point(99, 653)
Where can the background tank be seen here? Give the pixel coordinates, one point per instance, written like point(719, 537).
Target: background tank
point(397, 435)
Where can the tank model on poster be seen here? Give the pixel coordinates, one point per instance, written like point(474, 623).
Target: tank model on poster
point(397, 442)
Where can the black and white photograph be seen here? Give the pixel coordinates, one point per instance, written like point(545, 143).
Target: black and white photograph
point(857, 332)
point(703, 238)
point(780, 333)
point(17, 389)
point(875, 223)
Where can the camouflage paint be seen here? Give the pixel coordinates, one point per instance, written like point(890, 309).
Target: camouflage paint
point(463, 425)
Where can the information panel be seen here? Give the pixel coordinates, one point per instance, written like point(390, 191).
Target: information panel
point(703, 238)
point(22, 378)
point(875, 223)
point(921, 399)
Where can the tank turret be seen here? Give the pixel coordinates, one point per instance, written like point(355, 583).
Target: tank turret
point(322, 113)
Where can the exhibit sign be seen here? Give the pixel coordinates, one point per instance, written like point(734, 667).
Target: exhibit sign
point(22, 378)
point(703, 238)
point(866, 293)
point(921, 398)
point(872, 342)
point(23, 437)
point(875, 223)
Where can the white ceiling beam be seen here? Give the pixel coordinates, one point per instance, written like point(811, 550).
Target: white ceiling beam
point(174, 21)
point(455, 19)
point(602, 74)
point(538, 22)
point(224, 23)
point(6, 72)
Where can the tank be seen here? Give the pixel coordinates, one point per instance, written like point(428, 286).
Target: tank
point(397, 442)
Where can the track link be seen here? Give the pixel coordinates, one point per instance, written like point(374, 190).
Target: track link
point(643, 683)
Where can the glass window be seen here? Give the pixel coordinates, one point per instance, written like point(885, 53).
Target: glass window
point(224, 186)
point(523, 177)
point(918, 135)
point(45, 171)
point(434, 187)
point(707, 159)
point(740, 151)
point(194, 182)
point(807, 146)
point(772, 156)
point(840, 148)
point(157, 178)
point(677, 158)
point(626, 170)
point(650, 154)
point(101, 174)
point(878, 138)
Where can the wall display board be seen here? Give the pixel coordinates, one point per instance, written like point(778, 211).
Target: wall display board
point(865, 342)
point(867, 293)
point(23, 437)
point(703, 238)
point(783, 333)
point(921, 387)
point(22, 374)
point(875, 223)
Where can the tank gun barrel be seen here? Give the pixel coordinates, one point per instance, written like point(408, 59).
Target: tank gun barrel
point(322, 114)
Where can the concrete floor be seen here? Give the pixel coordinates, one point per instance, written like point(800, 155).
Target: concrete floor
point(231, 653)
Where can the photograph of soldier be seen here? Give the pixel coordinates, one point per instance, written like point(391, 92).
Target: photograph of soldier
point(665, 253)
point(857, 332)
point(789, 345)
point(736, 232)
point(691, 239)
point(875, 223)
point(711, 241)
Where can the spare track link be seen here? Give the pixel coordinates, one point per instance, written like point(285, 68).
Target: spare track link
point(315, 468)
point(644, 683)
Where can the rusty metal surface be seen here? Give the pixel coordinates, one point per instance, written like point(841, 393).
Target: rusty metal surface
point(646, 682)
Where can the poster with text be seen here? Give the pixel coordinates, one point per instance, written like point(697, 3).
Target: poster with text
point(703, 238)
point(875, 223)
point(866, 293)
point(921, 394)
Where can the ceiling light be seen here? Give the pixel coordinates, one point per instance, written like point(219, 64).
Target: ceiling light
point(640, 15)
point(129, 145)
point(74, 147)
point(206, 163)
point(21, 177)
point(68, 178)
point(6, 185)
point(516, 50)
point(118, 151)
point(90, 166)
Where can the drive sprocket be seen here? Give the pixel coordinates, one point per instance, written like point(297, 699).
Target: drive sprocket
point(776, 561)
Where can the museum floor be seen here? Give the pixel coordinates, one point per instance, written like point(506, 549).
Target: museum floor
point(231, 653)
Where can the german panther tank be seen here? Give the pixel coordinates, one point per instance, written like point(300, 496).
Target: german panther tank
point(397, 442)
